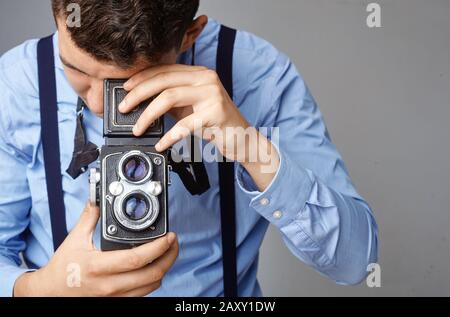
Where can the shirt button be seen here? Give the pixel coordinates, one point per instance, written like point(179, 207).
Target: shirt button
point(264, 201)
point(277, 214)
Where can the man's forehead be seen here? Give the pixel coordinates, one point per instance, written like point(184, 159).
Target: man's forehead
point(75, 58)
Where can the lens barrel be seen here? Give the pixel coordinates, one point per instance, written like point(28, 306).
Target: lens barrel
point(135, 167)
point(136, 206)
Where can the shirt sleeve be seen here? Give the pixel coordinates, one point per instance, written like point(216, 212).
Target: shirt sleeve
point(15, 201)
point(311, 200)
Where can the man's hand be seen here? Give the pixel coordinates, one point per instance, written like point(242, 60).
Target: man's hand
point(134, 272)
point(195, 96)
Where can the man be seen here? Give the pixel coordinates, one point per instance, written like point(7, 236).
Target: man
point(308, 194)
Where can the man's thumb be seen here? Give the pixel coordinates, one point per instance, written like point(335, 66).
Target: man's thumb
point(88, 219)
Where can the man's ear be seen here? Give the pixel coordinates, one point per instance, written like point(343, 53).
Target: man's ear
point(193, 32)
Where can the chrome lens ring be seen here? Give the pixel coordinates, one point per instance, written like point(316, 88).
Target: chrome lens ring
point(140, 223)
point(135, 167)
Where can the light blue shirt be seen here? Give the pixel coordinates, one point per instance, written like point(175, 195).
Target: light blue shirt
point(311, 201)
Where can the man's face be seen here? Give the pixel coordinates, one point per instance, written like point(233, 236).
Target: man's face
point(85, 74)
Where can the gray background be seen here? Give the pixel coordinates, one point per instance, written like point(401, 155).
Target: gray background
point(385, 95)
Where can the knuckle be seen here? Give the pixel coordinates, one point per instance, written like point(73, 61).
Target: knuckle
point(134, 260)
point(137, 93)
point(157, 274)
point(165, 245)
point(169, 95)
point(105, 290)
point(164, 77)
point(155, 286)
point(212, 76)
point(132, 94)
point(92, 268)
point(132, 81)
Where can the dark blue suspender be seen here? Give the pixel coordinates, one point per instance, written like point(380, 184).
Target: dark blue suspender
point(226, 171)
point(50, 141)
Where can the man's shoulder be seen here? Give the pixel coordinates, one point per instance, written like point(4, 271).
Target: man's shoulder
point(256, 62)
point(259, 55)
point(18, 69)
point(247, 47)
point(19, 90)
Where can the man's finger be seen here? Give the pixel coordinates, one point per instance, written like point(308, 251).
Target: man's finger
point(153, 71)
point(165, 262)
point(88, 220)
point(171, 98)
point(148, 275)
point(142, 291)
point(133, 259)
point(181, 130)
point(157, 84)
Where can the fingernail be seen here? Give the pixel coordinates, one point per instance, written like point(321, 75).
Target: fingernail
point(171, 237)
point(158, 147)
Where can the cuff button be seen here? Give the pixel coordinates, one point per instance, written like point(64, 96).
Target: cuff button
point(277, 214)
point(264, 201)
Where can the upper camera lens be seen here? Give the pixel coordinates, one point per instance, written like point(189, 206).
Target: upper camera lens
point(136, 207)
point(135, 168)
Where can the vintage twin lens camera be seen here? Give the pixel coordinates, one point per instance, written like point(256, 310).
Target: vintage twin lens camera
point(130, 185)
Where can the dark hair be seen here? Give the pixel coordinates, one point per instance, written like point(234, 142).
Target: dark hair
point(121, 31)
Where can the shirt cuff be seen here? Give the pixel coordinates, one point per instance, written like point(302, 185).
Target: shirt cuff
point(9, 274)
point(286, 195)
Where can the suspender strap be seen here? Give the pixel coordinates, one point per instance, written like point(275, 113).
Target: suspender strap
point(224, 69)
point(50, 139)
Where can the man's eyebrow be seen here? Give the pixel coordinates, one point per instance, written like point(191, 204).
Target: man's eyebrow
point(65, 62)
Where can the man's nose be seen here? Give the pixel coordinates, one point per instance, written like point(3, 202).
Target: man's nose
point(95, 97)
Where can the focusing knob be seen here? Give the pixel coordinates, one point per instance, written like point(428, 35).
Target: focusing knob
point(94, 178)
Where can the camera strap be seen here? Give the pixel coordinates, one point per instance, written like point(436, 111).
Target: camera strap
point(193, 175)
point(87, 152)
point(84, 152)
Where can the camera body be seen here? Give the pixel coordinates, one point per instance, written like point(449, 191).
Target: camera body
point(131, 184)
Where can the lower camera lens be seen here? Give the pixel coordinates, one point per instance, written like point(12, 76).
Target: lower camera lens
point(135, 168)
point(136, 210)
point(136, 207)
